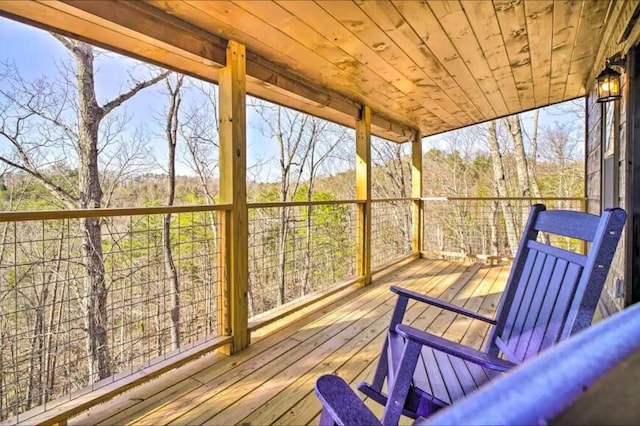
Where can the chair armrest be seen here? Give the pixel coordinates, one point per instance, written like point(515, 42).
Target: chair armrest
point(341, 403)
point(440, 304)
point(453, 348)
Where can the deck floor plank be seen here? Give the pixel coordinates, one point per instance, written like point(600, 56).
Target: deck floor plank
point(366, 358)
point(272, 381)
point(303, 360)
point(223, 390)
point(461, 324)
point(222, 374)
point(485, 304)
point(275, 407)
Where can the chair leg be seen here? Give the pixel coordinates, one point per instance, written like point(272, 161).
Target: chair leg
point(404, 376)
point(383, 365)
point(382, 368)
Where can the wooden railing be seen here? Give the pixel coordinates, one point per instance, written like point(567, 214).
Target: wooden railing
point(483, 227)
point(298, 250)
point(300, 253)
point(56, 305)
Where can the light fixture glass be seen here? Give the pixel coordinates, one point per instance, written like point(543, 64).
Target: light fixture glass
point(608, 85)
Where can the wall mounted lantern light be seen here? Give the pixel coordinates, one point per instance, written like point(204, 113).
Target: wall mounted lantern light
point(609, 79)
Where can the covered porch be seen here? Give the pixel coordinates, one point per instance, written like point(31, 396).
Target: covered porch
point(398, 70)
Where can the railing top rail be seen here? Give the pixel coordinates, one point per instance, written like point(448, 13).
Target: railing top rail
point(382, 200)
point(31, 215)
point(503, 198)
point(267, 204)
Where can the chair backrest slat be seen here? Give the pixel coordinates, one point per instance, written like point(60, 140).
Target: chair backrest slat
point(540, 319)
point(520, 309)
point(544, 320)
point(536, 316)
point(552, 292)
point(510, 316)
point(568, 224)
point(559, 313)
point(558, 252)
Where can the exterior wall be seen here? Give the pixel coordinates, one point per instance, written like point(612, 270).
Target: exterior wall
point(610, 302)
point(621, 34)
point(593, 154)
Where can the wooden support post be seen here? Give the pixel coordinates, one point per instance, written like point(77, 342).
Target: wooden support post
point(416, 191)
point(233, 316)
point(363, 193)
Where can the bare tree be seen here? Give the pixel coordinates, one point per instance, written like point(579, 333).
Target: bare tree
point(456, 168)
point(392, 179)
point(534, 154)
point(68, 115)
point(560, 147)
point(199, 129)
point(122, 159)
point(322, 140)
point(501, 185)
point(304, 144)
point(287, 127)
point(515, 129)
point(171, 134)
point(525, 170)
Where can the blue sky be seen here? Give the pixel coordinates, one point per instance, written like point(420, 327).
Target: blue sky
point(36, 53)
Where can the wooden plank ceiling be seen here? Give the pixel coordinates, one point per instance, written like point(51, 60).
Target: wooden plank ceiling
point(432, 65)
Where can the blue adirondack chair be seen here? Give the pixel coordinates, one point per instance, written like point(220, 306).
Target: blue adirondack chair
point(558, 384)
point(551, 293)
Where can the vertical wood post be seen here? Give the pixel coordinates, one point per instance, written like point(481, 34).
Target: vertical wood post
point(416, 191)
point(233, 316)
point(363, 193)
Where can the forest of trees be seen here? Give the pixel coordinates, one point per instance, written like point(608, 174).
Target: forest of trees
point(84, 299)
point(545, 163)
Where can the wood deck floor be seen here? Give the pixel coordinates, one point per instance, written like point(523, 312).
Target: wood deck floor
point(272, 381)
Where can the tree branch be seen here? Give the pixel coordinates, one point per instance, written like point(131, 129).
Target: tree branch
point(62, 194)
point(115, 103)
point(64, 41)
point(33, 111)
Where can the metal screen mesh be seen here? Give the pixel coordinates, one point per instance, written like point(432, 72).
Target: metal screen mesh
point(298, 250)
point(480, 227)
point(46, 301)
point(391, 227)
